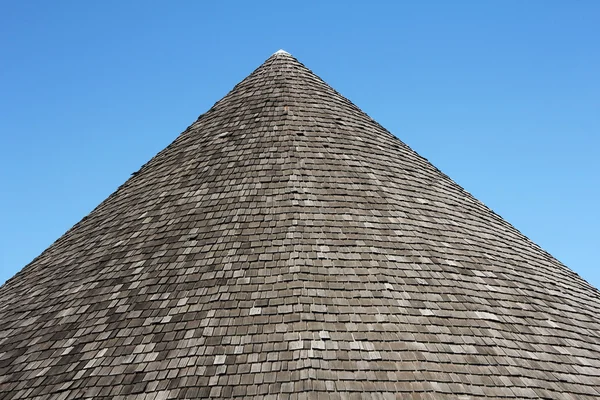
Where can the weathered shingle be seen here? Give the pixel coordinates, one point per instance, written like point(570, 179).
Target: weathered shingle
point(287, 246)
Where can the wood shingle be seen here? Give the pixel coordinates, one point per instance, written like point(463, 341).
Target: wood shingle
point(286, 246)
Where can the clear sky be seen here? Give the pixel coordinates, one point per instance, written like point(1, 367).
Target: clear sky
point(502, 96)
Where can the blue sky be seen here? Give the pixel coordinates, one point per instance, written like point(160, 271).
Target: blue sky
point(503, 96)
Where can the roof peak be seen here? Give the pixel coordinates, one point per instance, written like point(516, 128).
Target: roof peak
point(281, 52)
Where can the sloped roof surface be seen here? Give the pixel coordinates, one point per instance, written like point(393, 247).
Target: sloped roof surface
point(287, 246)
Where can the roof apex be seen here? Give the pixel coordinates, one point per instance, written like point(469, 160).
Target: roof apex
point(281, 52)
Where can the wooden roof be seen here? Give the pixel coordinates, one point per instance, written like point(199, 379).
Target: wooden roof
point(286, 246)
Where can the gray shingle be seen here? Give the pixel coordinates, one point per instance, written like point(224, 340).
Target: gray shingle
point(287, 246)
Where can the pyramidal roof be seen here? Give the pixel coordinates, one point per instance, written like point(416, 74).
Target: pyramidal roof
point(287, 246)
